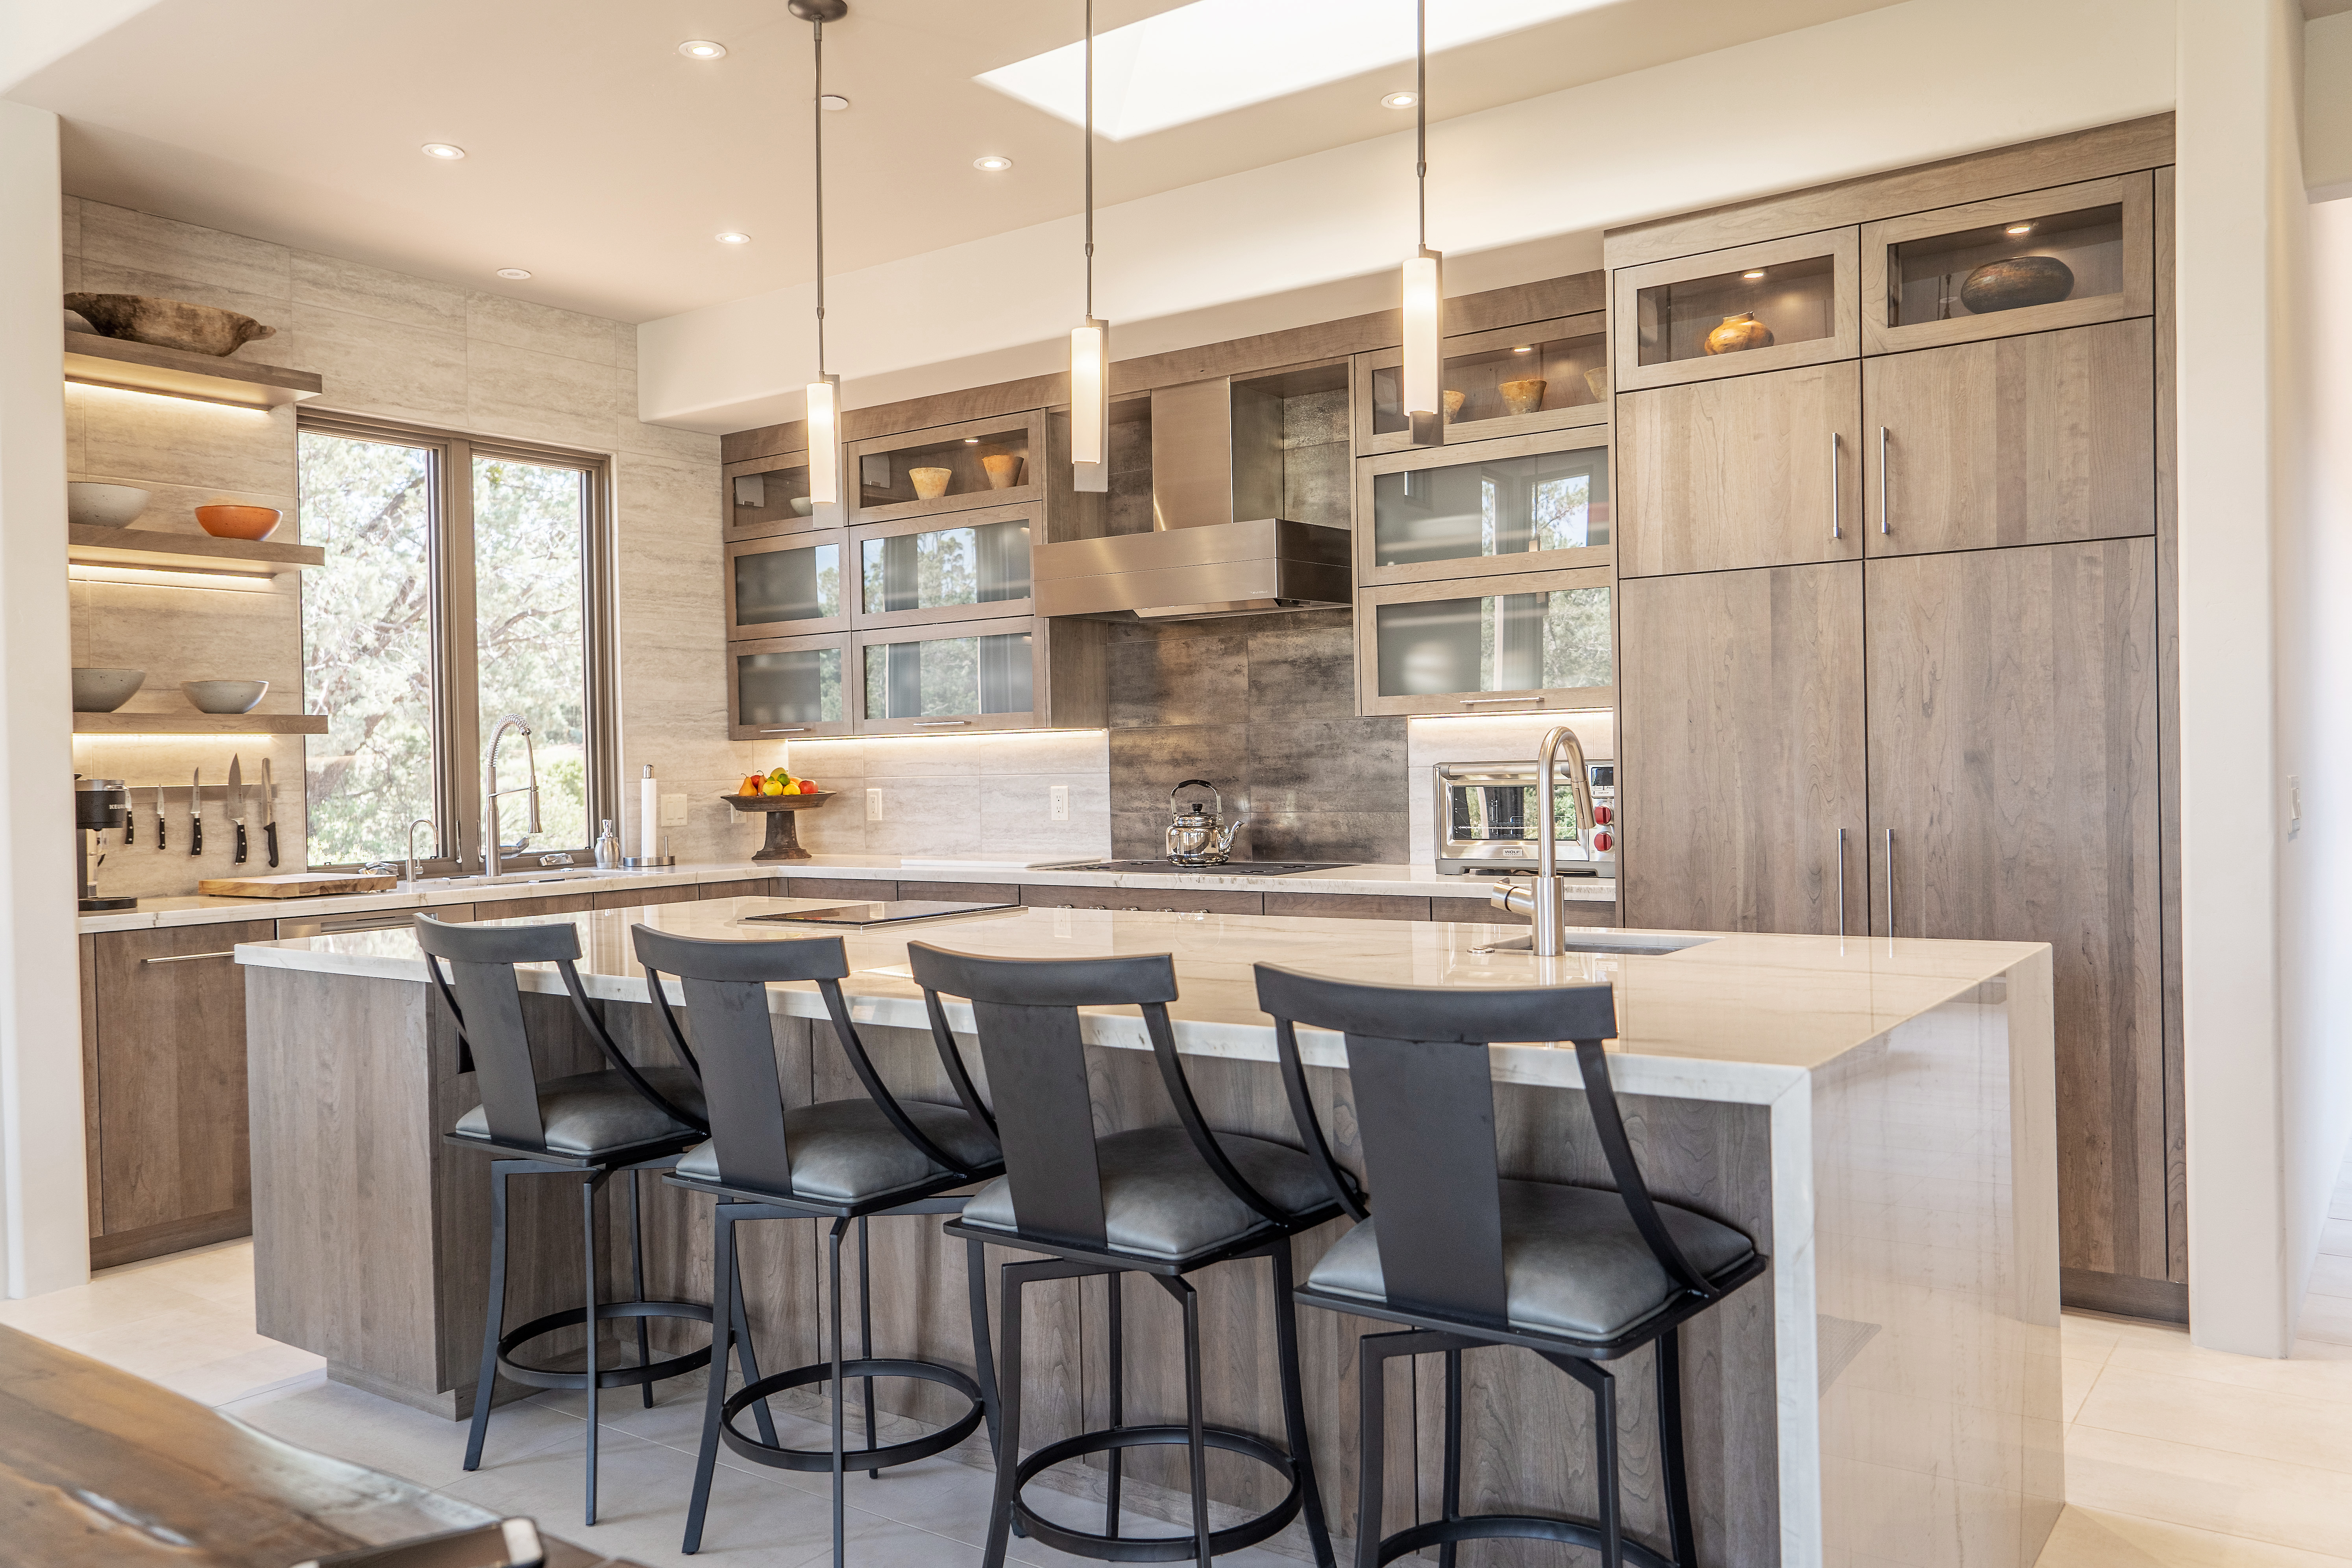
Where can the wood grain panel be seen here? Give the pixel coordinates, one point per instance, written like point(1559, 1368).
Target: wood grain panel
point(1187, 900)
point(2168, 727)
point(556, 904)
point(634, 898)
point(2013, 757)
point(1589, 912)
point(750, 887)
point(1347, 906)
point(962, 892)
point(1740, 472)
point(848, 889)
point(93, 1128)
point(1741, 749)
point(2023, 440)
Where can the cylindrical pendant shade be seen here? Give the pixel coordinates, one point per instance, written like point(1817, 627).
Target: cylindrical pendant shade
point(1090, 405)
point(1425, 348)
point(825, 441)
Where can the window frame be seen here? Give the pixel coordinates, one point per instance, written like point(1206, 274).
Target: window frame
point(457, 727)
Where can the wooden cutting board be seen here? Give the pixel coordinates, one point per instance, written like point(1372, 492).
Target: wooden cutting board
point(296, 885)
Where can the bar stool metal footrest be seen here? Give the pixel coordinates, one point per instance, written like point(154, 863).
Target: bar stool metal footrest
point(1161, 1548)
point(868, 1458)
point(1581, 1532)
point(607, 1377)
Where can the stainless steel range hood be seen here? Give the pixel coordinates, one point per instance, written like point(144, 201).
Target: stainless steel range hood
point(1218, 545)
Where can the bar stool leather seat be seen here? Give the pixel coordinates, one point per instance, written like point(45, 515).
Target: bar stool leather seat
point(1161, 1200)
point(845, 1150)
point(1573, 1260)
point(590, 1112)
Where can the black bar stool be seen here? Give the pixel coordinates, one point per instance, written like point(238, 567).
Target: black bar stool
point(1579, 1275)
point(1163, 1201)
point(589, 1126)
point(839, 1159)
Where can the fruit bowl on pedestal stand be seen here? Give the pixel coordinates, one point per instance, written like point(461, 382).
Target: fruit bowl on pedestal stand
point(783, 840)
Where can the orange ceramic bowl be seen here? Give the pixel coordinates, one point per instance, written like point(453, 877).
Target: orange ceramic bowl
point(238, 522)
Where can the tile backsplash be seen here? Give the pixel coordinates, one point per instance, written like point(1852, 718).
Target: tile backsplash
point(980, 796)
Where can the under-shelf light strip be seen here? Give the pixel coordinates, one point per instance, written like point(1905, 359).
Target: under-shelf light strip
point(169, 576)
point(1090, 339)
point(1424, 288)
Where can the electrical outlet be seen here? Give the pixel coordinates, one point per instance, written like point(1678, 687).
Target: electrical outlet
point(872, 806)
point(1058, 803)
point(673, 811)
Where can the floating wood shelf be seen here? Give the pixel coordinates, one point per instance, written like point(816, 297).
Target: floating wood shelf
point(200, 723)
point(91, 544)
point(94, 361)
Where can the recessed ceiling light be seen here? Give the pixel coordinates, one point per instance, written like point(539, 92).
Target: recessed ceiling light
point(516, 273)
point(446, 151)
point(2021, 228)
point(1752, 276)
point(1401, 101)
point(702, 49)
point(834, 102)
point(993, 163)
point(732, 237)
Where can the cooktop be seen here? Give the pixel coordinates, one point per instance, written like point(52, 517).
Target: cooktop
point(1230, 869)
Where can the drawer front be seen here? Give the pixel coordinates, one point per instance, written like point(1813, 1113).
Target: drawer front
point(1347, 906)
point(1478, 912)
point(638, 897)
point(1182, 901)
point(751, 888)
point(847, 888)
point(962, 892)
point(559, 904)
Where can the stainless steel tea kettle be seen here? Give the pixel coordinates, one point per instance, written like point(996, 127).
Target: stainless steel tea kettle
point(1196, 838)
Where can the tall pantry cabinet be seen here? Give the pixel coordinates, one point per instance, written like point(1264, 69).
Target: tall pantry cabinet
point(1895, 516)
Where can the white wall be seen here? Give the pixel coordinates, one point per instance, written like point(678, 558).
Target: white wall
point(1902, 85)
point(43, 1213)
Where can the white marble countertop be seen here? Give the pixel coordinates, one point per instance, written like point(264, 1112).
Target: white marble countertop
point(1734, 1016)
point(1408, 881)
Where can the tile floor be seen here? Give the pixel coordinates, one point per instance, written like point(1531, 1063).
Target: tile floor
point(2176, 1457)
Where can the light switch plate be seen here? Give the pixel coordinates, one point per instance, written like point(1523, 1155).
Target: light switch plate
point(872, 806)
point(673, 811)
point(1059, 808)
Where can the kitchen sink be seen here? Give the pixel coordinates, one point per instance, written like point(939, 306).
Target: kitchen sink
point(510, 878)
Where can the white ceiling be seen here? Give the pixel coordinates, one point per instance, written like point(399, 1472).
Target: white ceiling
point(604, 162)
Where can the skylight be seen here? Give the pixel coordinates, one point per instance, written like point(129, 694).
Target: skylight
point(1213, 56)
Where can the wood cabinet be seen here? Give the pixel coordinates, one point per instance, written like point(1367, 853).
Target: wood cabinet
point(165, 1023)
point(1172, 901)
point(791, 585)
point(1741, 750)
point(1023, 672)
point(2015, 440)
point(767, 496)
point(638, 898)
point(1756, 471)
point(2013, 791)
point(1565, 358)
point(974, 463)
point(1499, 644)
point(782, 687)
point(1801, 291)
point(1484, 509)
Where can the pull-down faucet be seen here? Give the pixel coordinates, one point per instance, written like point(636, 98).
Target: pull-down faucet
point(490, 789)
point(1542, 904)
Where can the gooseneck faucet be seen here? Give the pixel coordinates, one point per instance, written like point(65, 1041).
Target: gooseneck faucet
point(427, 824)
point(1543, 905)
point(491, 791)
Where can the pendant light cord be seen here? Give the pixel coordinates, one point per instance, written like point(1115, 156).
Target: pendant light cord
point(1090, 159)
point(817, 31)
point(1420, 112)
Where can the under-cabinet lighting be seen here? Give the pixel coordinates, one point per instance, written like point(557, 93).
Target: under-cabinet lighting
point(2019, 228)
point(447, 151)
point(1524, 349)
point(971, 440)
point(1752, 277)
point(703, 49)
point(238, 404)
point(1425, 349)
point(514, 274)
point(1401, 101)
point(825, 441)
point(994, 164)
point(169, 576)
point(729, 236)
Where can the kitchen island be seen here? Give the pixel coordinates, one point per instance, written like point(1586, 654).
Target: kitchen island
point(1876, 1114)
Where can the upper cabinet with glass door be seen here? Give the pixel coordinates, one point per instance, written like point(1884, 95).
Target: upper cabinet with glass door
point(947, 468)
point(1018, 672)
point(764, 497)
point(2065, 256)
point(1770, 306)
point(1481, 508)
point(1547, 376)
point(787, 586)
point(921, 569)
point(1538, 642)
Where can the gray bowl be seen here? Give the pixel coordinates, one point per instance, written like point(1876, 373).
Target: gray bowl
point(108, 506)
point(225, 696)
point(104, 691)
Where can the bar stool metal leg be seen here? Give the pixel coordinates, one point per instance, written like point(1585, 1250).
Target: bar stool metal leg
point(1116, 1457)
point(865, 1332)
point(588, 1325)
point(1008, 1440)
point(493, 1315)
point(638, 1283)
point(1196, 1439)
point(722, 1279)
point(1451, 1497)
point(1293, 1404)
point(1679, 1538)
point(983, 1357)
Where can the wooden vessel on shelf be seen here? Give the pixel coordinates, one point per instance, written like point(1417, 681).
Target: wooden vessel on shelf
point(783, 842)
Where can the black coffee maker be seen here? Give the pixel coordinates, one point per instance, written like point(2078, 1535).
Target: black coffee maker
point(100, 807)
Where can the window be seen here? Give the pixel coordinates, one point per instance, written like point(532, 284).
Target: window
point(464, 582)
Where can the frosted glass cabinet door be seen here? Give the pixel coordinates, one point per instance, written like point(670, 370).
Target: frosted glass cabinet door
point(783, 687)
point(1450, 649)
point(1484, 507)
point(915, 571)
point(965, 674)
point(788, 586)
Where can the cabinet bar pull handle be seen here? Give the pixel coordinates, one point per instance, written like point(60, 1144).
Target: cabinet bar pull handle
point(1841, 883)
point(793, 729)
point(188, 957)
point(942, 723)
point(1884, 525)
point(1837, 522)
point(1493, 701)
point(1890, 882)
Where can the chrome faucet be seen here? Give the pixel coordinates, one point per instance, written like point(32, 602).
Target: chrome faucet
point(1542, 905)
point(414, 825)
point(491, 791)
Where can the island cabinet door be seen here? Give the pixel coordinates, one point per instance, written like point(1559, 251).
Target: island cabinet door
point(2013, 797)
point(1755, 470)
point(170, 1092)
point(1740, 750)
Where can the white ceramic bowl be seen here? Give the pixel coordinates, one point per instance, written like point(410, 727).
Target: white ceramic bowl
point(225, 696)
point(800, 506)
point(108, 506)
point(104, 691)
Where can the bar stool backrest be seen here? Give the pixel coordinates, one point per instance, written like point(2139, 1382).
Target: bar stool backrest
point(1026, 1014)
point(1422, 1085)
point(493, 1041)
point(725, 985)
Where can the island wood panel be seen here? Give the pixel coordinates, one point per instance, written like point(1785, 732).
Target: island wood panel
point(2013, 756)
point(171, 1088)
point(1347, 906)
point(1591, 912)
point(85, 967)
point(2168, 729)
point(2022, 440)
point(852, 889)
point(1716, 475)
point(1178, 900)
point(1741, 750)
point(750, 887)
point(962, 892)
point(525, 909)
point(633, 897)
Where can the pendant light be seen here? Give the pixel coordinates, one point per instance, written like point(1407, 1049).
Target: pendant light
point(1090, 339)
point(1424, 271)
point(824, 392)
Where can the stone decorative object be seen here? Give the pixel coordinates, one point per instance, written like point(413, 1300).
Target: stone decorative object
point(1003, 470)
point(1453, 401)
point(2016, 281)
point(168, 323)
point(929, 484)
point(1596, 382)
point(225, 696)
point(238, 522)
point(1523, 395)
point(103, 506)
point(1739, 334)
point(800, 505)
point(104, 691)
